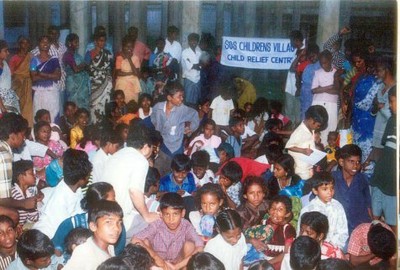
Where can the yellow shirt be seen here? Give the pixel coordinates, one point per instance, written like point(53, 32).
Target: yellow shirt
point(76, 136)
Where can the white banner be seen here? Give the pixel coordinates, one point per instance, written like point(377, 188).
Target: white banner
point(258, 53)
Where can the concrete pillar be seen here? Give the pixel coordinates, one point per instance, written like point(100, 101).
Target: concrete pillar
point(219, 31)
point(79, 15)
point(190, 20)
point(250, 14)
point(345, 14)
point(175, 13)
point(164, 18)
point(328, 20)
point(118, 24)
point(102, 14)
point(64, 13)
point(1, 20)
point(138, 17)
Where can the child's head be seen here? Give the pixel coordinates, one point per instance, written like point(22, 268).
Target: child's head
point(139, 255)
point(127, 262)
point(140, 138)
point(69, 109)
point(210, 199)
point(145, 101)
point(323, 186)
point(349, 159)
point(132, 106)
point(42, 115)
point(273, 152)
point(22, 172)
point(260, 106)
point(305, 253)
point(152, 180)
point(226, 89)
point(231, 173)
point(172, 210)
point(382, 242)
point(180, 167)
point(193, 40)
point(8, 238)
point(325, 59)
point(175, 93)
point(280, 210)
point(200, 161)
point(82, 117)
point(119, 98)
point(122, 131)
point(315, 225)
point(225, 152)
point(316, 118)
point(261, 265)
point(204, 105)
point(110, 141)
point(296, 39)
point(254, 190)
point(284, 166)
point(273, 125)
point(229, 225)
point(312, 53)
point(96, 192)
point(236, 125)
point(332, 138)
point(208, 128)
point(42, 131)
point(76, 237)
point(275, 106)
point(393, 100)
point(35, 249)
point(91, 133)
point(72, 41)
point(335, 263)
point(204, 261)
point(248, 107)
point(105, 221)
point(76, 167)
point(12, 129)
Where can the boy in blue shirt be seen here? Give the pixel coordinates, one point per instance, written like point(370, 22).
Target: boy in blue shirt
point(351, 187)
point(236, 125)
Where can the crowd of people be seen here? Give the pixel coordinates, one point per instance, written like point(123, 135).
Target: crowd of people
point(108, 161)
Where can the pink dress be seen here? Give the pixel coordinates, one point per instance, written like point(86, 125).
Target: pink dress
point(40, 163)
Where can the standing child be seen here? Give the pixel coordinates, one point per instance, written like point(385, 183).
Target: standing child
point(352, 188)
point(25, 187)
point(210, 199)
point(81, 121)
point(105, 221)
point(236, 124)
point(323, 187)
point(229, 180)
point(221, 108)
point(172, 240)
point(8, 247)
point(301, 142)
point(200, 162)
point(229, 246)
point(205, 140)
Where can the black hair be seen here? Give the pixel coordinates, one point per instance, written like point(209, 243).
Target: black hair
point(333, 133)
point(321, 179)
point(70, 37)
point(349, 150)
point(282, 199)
point(90, 133)
point(232, 171)
point(210, 188)
point(76, 237)
point(381, 242)
point(287, 163)
point(180, 162)
point(118, 92)
point(33, 244)
point(312, 48)
point(109, 136)
point(40, 113)
point(276, 105)
point(99, 34)
point(228, 219)
point(226, 89)
point(20, 167)
point(8, 220)
point(273, 152)
point(233, 121)
point(43, 37)
point(261, 265)
point(253, 180)
point(204, 261)
point(68, 103)
point(80, 111)
point(171, 88)
point(317, 221)
point(296, 35)
point(305, 253)
point(272, 123)
point(325, 54)
point(204, 101)
point(127, 39)
point(240, 113)
point(76, 166)
point(200, 159)
point(392, 92)
point(194, 36)
point(116, 263)
point(160, 39)
point(104, 208)
point(38, 126)
point(138, 254)
point(259, 106)
point(319, 114)
point(3, 44)
point(132, 106)
point(12, 123)
point(333, 264)
point(96, 192)
point(152, 178)
point(387, 63)
point(271, 138)
point(209, 121)
point(173, 200)
point(172, 29)
point(138, 136)
point(53, 28)
point(120, 127)
point(145, 96)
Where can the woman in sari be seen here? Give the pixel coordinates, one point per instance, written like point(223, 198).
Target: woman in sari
point(77, 82)
point(363, 121)
point(99, 60)
point(127, 66)
point(8, 98)
point(21, 78)
point(45, 74)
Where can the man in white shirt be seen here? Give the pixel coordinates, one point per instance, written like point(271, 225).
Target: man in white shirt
point(191, 70)
point(172, 46)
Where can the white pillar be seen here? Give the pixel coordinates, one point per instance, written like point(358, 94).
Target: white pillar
point(328, 20)
point(102, 14)
point(138, 18)
point(1, 20)
point(250, 19)
point(79, 17)
point(190, 20)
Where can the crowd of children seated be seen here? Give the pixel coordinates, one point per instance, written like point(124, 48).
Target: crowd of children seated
point(164, 181)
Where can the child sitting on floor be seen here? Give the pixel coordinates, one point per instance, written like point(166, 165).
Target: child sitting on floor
point(81, 121)
point(172, 240)
point(229, 180)
point(331, 150)
point(205, 140)
point(76, 237)
point(236, 125)
point(7, 248)
point(200, 162)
